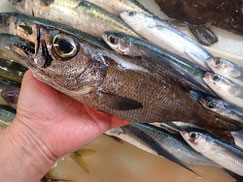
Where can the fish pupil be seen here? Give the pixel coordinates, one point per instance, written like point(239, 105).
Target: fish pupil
point(193, 136)
point(65, 46)
point(211, 105)
point(11, 98)
point(131, 13)
point(215, 78)
point(217, 62)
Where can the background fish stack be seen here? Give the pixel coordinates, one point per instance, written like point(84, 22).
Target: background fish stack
point(214, 82)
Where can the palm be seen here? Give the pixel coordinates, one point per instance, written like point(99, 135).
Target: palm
point(59, 121)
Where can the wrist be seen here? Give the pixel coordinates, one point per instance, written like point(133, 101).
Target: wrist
point(23, 155)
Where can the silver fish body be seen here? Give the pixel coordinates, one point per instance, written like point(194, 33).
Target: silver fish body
point(79, 14)
point(118, 6)
point(227, 69)
point(238, 137)
point(7, 115)
point(165, 35)
point(227, 155)
point(225, 88)
point(22, 25)
point(150, 136)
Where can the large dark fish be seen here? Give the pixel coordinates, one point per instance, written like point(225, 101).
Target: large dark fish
point(125, 87)
point(225, 14)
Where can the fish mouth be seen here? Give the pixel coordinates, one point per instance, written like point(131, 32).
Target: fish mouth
point(37, 55)
point(27, 52)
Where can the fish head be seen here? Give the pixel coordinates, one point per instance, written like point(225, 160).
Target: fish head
point(196, 140)
point(117, 43)
point(208, 103)
point(134, 19)
point(11, 95)
point(62, 61)
point(220, 66)
point(217, 82)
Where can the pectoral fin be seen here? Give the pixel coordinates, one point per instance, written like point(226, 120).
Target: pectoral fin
point(203, 34)
point(117, 102)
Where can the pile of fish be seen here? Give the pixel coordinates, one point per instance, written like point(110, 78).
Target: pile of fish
point(186, 104)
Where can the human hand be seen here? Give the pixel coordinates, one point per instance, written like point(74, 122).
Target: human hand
point(53, 123)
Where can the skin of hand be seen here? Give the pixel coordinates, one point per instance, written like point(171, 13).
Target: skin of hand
point(48, 125)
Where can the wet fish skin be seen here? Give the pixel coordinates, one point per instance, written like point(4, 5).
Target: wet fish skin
point(227, 155)
point(21, 25)
point(11, 96)
point(7, 115)
point(6, 84)
point(238, 136)
point(118, 6)
point(84, 16)
point(11, 70)
point(6, 40)
point(154, 139)
point(165, 35)
point(225, 88)
point(114, 84)
point(134, 46)
point(227, 69)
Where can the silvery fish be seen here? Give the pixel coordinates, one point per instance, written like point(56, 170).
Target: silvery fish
point(21, 25)
point(225, 88)
point(225, 154)
point(79, 14)
point(11, 96)
point(227, 69)
point(11, 70)
point(6, 41)
point(118, 6)
point(165, 35)
point(134, 46)
point(238, 137)
point(7, 115)
point(126, 87)
point(160, 142)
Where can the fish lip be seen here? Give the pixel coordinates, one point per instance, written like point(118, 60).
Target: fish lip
point(24, 51)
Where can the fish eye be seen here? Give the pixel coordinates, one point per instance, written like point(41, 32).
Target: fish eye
point(216, 78)
point(218, 61)
point(64, 46)
point(131, 13)
point(193, 135)
point(10, 98)
point(211, 104)
point(113, 40)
